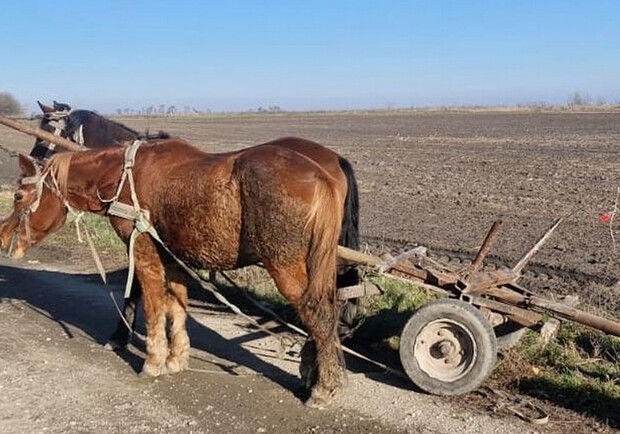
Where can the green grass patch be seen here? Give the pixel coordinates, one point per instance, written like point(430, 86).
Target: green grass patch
point(6, 202)
point(578, 369)
point(398, 296)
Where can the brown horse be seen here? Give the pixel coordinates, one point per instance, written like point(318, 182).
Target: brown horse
point(91, 130)
point(214, 211)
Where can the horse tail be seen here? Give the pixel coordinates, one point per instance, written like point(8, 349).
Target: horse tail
point(349, 234)
point(322, 358)
point(323, 224)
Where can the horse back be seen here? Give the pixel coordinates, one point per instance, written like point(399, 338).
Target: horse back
point(323, 156)
point(231, 209)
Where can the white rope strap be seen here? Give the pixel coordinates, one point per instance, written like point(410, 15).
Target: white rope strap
point(130, 159)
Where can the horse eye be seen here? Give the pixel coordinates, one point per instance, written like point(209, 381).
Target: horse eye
point(19, 196)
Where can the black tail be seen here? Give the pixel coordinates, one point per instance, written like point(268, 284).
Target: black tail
point(349, 234)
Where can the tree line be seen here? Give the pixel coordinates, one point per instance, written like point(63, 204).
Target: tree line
point(172, 110)
point(9, 105)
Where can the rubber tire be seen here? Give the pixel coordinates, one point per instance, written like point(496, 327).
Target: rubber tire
point(467, 317)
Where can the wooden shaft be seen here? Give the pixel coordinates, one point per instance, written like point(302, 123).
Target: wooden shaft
point(486, 247)
point(67, 145)
point(351, 255)
point(526, 258)
point(563, 311)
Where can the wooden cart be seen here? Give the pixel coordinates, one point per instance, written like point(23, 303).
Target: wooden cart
point(449, 346)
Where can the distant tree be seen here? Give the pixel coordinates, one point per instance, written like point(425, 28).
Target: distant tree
point(578, 98)
point(9, 105)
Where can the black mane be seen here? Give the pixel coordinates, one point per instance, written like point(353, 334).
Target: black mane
point(107, 130)
point(88, 129)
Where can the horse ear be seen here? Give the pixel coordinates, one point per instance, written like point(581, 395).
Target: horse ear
point(27, 165)
point(45, 108)
point(61, 106)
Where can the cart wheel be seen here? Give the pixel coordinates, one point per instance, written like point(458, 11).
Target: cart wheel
point(448, 348)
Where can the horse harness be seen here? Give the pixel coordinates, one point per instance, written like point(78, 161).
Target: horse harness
point(58, 120)
point(142, 225)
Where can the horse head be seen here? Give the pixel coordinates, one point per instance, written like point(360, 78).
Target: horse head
point(54, 120)
point(38, 209)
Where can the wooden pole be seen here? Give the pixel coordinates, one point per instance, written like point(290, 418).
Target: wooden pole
point(486, 247)
point(526, 258)
point(67, 145)
point(563, 311)
point(358, 257)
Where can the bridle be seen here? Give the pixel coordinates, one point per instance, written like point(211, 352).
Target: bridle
point(39, 180)
point(58, 121)
point(24, 216)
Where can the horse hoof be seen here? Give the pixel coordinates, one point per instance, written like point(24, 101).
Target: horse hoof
point(115, 345)
point(174, 365)
point(149, 370)
point(317, 403)
point(320, 398)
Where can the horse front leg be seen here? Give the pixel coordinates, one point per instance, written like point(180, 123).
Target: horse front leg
point(176, 313)
point(127, 324)
point(151, 275)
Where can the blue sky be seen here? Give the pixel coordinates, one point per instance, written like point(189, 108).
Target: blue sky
point(237, 55)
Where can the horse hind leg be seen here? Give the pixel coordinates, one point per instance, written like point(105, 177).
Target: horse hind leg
point(322, 362)
point(176, 313)
point(322, 349)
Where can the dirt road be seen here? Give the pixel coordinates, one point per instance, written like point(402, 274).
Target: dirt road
point(55, 375)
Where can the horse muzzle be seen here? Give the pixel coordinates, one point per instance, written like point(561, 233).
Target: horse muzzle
point(10, 245)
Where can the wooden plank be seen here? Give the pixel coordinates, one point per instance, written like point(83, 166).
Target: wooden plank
point(480, 282)
point(519, 315)
point(356, 291)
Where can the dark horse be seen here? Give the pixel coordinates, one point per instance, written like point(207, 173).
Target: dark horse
point(84, 127)
point(92, 130)
point(265, 204)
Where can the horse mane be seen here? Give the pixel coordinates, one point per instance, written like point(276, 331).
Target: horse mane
point(79, 117)
point(107, 127)
point(58, 168)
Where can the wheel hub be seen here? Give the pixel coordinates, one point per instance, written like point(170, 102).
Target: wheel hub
point(445, 350)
